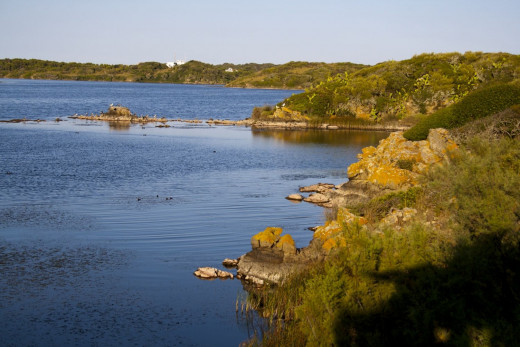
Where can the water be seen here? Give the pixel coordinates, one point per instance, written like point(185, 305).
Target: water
point(50, 99)
point(92, 249)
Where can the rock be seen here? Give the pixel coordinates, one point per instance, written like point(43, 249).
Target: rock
point(295, 197)
point(273, 264)
point(332, 127)
point(317, 198)
point(331, 234)
point(397, 163)
point(211, 272)
point(286, 244)
point(230, 262)
point(287, 115)
point(318, 188)
point(266, 238)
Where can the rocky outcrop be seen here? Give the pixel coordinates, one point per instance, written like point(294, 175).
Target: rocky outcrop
point(120, 114)
point(395, 164)
point(274, 257)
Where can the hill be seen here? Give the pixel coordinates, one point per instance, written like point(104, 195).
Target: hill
point(293, 75)
point(192, 72)
point(394, 90)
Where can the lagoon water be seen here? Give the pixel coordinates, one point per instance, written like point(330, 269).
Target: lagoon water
point(102, 227)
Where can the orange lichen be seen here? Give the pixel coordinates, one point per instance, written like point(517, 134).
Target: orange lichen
point(355, 169)
point(269, 235)
point(324, 232)
point(391, 177)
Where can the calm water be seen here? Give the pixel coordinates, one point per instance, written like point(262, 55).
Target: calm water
point(92, 249)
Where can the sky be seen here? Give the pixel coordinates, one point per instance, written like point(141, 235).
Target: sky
point(244, 31)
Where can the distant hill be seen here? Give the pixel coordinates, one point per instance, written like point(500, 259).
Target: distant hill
point(293, 75)
point(192, 72)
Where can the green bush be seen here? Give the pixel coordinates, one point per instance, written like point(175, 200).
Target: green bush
point(479, 104)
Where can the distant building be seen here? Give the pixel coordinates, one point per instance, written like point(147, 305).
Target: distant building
point(230, 69)
point(171, 64)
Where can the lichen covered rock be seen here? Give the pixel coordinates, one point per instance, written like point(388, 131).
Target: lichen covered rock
point(396, 163)
point(286, 244)
point(286, 114)
point(266, 238)
point(330, 234)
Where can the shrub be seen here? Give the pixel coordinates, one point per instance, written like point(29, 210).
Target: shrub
point(481, 103)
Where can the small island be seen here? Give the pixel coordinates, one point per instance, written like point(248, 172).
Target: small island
point(120, 114)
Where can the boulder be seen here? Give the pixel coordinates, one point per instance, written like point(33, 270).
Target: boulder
point(211, 272)
point(295, 197)
point(230, 262)
point(317, 198)
point(397, 163)
point(286, 244)
point(318, 188)
point(266, 238)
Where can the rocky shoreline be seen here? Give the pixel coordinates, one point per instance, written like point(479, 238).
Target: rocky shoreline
point(123, 114)
point(395, 165)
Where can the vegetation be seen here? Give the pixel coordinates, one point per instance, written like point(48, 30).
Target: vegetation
point(451, 276)
point(478, 104)
point(294, 75)
point(191, 72)
point(394, 90)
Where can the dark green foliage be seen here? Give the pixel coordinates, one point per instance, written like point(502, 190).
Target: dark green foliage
point(479, 104)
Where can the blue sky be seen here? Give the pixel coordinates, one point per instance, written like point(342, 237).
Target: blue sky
point(360, 31)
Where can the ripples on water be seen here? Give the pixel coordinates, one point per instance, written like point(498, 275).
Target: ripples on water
point(94, 251)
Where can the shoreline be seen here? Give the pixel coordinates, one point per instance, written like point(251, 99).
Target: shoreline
point(248, 123)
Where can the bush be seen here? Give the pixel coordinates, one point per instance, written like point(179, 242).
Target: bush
point(479, 104)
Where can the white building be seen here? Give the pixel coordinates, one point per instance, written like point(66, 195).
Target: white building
point(171, 64)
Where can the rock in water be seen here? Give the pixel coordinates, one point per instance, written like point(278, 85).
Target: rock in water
point(211, 272)
point(295, 197)
point(317, 198)
point(318, 187)
point(230, 262)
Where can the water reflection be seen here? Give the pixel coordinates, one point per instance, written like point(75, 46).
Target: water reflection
point(119, 126)
point(314, 136)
